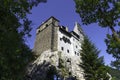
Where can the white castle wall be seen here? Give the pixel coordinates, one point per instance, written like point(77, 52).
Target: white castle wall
point(66, 46)
point(74, 47)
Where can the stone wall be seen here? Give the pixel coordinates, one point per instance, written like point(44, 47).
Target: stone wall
point(43, 41)
point(46, 37)
point(55, 39)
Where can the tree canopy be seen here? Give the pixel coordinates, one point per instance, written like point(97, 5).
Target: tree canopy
point(114, 73)
point(106, 13)
point(14, 26)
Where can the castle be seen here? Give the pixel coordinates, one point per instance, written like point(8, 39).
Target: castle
point(54, 41)
point(51, 36)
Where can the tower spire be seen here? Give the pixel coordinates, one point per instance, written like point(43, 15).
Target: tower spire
point(77, 29)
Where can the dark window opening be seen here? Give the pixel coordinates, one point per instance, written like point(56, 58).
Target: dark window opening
point(78, 54)
point(60, 39)
point(62, 48)
point(38, 31)
point(76, 46)
point(66, 40)
point(67, 51)
point(46, 25)
point(75, 52)
point(68, 60)
point(64, 27)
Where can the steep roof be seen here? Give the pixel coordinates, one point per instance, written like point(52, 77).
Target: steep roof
point(77, 28)
point(48, 20)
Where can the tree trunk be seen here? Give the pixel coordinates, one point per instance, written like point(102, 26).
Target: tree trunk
point(115, 34)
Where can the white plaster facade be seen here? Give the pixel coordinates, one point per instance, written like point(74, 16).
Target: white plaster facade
point(72, 48)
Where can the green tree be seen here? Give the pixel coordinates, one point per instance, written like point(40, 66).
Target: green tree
point(14, 27)
point(113, 47)
point(92, 64)
point(114, 73)
point(106, 13)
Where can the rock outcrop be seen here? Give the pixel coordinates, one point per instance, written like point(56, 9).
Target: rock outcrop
point(50, 64)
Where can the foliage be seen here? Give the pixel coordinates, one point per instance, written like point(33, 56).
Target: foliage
point(106, 13)
point(113, 47)
point(114, 73)
point(51, 72)
point(116, 64)
point(14, 26)
point(92, 64)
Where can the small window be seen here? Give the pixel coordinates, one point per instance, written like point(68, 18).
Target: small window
point(67, 51)
point(75, 52)
point(62, 48)
point(78, 54)
point(38, 30)
point(73, 39)
point(60, 39)
point(46, 25)
point(76, 46)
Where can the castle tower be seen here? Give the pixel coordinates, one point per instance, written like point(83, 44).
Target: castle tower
point(46, 36)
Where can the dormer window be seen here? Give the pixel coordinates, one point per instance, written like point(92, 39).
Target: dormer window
point(64, 27)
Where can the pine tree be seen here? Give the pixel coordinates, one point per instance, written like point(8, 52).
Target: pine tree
point(92, 64)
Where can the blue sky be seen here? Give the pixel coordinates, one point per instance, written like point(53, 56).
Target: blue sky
point(64, 11)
